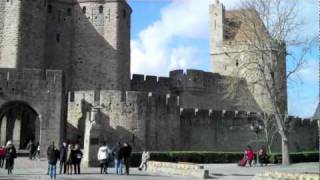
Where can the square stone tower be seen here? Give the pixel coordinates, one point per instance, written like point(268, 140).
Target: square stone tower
point(230, 52)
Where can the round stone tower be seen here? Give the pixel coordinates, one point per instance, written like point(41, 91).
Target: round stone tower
point(101, 45)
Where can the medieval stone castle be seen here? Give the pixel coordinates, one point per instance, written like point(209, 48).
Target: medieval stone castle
point(65, 75)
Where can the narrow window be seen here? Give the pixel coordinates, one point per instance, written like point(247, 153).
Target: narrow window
point(72, 97)
point(97, 95)
point(100, 9)
point(84, 10)
point(58, 37)
point(225, 67)
point(49, 8)
point(69, 12)
point(124, 13)
point(237, 62)
point(215, 24)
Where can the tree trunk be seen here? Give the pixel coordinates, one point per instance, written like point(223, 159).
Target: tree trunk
point(284, 142)
point(285, 149)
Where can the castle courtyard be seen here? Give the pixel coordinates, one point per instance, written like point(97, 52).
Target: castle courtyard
point(30, 170)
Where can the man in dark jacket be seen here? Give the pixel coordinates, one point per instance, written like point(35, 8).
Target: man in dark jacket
point(126, 151)
point(63, 157)
point(11, 154)
point(53, 156)
point(118, 158)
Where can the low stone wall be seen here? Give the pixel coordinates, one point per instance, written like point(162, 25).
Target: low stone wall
point(181, 169)
point(286, 175)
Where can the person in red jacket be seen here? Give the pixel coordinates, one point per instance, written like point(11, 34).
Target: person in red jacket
point(249, 155)
point(2, 155)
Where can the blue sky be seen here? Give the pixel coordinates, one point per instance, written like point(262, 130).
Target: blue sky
point(173, 34)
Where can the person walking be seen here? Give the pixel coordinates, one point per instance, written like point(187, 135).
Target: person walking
point(11, 154)
point(118, 158)
point(144, 160)
point(53, 156)
point(103, 157)
point(70, 158)
point(2, 156)
point(127, 149)
point(37, 152)
point(32, 148)
point(63, 157)
point(249, 154)
point(77, 159)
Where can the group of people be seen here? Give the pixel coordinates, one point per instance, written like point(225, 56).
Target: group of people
point(34, 150)
point(249, 157)
point(7, 155)
point(70, 159)
point(120, 153)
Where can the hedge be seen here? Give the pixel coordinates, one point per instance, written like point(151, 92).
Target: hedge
point(296, 157)
point(204, 157)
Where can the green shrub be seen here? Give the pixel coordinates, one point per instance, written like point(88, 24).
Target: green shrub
point(296, 157)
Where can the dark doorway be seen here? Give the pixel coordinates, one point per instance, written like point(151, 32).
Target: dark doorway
point(19, 123)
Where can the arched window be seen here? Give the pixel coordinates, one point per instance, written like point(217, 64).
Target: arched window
point(100, 9)
point(69, 11)
point(49, 8)
point(237, 62)
point(84, 10)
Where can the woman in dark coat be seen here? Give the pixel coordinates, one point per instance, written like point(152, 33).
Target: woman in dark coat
point(11, 154)
point(70, 158)
point(77, 159)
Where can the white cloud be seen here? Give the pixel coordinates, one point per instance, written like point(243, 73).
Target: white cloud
point(155, 52)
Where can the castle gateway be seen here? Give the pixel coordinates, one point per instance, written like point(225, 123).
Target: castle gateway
point(65, 75)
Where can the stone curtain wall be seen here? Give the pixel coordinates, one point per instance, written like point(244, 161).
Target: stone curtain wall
point(42, 93)
point(197, 89)
point(158, 122)
point(143, 119)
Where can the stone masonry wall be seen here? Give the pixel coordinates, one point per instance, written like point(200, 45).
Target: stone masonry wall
point(32, 34)
point(59, 37)
point(10, 21)
point(142, 119)
point(42, 93)
point(198, 89)
point(99, 59)
point(157, 122)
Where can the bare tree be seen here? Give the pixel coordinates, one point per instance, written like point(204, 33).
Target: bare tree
point(264, 31)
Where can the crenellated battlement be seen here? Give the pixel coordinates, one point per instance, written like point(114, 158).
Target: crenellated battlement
point(8, 74)
point(154, 84)
point(29, 81)
point(223, 114)
point(178, 80)
point(104, 97)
